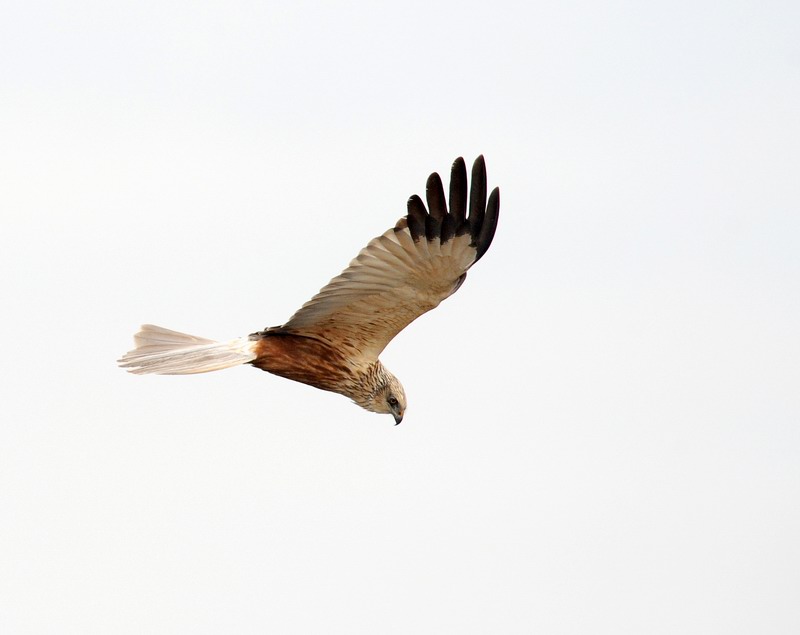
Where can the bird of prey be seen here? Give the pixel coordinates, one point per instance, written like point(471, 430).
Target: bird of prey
point(333, 341)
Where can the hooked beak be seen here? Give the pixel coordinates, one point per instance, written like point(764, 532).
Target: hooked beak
point(398, 417)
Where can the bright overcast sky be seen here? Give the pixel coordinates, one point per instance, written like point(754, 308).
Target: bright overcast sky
point(603, 432)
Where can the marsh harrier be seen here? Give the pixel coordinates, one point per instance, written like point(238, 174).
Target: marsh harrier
point(334, 340)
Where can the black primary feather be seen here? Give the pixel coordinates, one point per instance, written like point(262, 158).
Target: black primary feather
point(458, 191)
point(416, 217)
point(434, 192)
point(442, 225)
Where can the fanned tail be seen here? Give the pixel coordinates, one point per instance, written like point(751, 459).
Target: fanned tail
point(165, 352)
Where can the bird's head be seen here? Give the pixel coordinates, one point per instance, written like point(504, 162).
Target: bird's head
point(388, 396)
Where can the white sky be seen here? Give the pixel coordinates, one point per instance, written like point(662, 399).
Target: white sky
point(604, 424)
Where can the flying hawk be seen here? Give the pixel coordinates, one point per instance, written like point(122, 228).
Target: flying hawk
point(334, 340)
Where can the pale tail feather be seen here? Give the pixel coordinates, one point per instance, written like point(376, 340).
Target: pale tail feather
point(165, 352)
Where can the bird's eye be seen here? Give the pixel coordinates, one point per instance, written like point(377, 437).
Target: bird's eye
point(392, 401)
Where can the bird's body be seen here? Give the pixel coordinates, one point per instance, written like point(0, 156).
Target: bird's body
point(314, 362)
point(333, 341)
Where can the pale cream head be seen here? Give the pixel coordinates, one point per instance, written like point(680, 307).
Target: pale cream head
point(386, 397)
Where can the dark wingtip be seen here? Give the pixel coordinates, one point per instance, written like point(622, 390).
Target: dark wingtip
point(477, 196)
point(484, 238)
point(434, 193)
point(441, 225)
point(416, 217)
point(458, 191)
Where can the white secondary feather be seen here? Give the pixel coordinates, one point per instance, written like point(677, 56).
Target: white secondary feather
point(166, 352)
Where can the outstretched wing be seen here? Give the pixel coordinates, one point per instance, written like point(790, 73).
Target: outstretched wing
point(408, 270)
